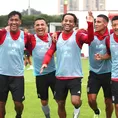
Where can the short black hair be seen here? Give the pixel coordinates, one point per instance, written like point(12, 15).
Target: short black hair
point(13, 13)
point(74, 16)
point(104, 17)
point(114, 18)
point(40, 19)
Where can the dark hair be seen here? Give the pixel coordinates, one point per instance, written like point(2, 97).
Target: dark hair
point(114, 18)
point(40, 19)
point(74, 16)
point(104, 17)
point(13, 13)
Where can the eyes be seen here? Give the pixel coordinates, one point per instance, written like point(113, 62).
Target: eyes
point(40, 25)
point(11, 20)
point(70, 21)
point(98, 22)
point(115, 25)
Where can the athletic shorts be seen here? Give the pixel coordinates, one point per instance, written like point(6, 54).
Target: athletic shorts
point(43, 83)
point(96, 81)
point(114, 90)
point(26, 53)
point(63, 86)
point(13, 84)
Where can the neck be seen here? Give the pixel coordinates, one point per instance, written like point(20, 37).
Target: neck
point(103, 31)
point(43, 34)
point(67, 32)
point(14, 32)
point(116, 35)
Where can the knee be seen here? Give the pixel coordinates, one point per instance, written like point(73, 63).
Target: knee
point(18, 106)
point(116, 107)
point(108, 102)
point(44, 102)
point(61, 105)
point(91, 100)
point(76, 102)
point(2, 108)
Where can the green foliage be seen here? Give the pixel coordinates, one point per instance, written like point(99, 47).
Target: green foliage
point(3, 21)
point(32, 12)
point(27, 21)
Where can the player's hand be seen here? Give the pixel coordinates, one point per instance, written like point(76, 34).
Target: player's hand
point(43, 67)
point(98, 56)
point(54, 37)
point(90, 17)
point(7, 28)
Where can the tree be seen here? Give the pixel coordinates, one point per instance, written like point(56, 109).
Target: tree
point(32, 11)
point(28, 20)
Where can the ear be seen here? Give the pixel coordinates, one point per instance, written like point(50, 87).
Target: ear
point(8, 22)
point(106, 24)
point(20, 22)
point(62, 23)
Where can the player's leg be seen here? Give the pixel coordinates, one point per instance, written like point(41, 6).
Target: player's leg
point(75, 90)
point(116, 110)
point(25, 58)
point(17, 90)
point(52, 81)
point(93, 88)
point(4, 83)
point(61, 92)
point(29, 61)
point(114, 90)
point(42, 92)
point(106, 85)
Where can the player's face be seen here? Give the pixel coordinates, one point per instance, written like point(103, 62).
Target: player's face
point(100, 24)
point(14, 22)
point(40, 27)
point(115, 26)
point(26, 30)
point(68, 23)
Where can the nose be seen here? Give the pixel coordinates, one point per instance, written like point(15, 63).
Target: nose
point(67, 22)
point(39, 26)
point(117, 26)
point(13, 21)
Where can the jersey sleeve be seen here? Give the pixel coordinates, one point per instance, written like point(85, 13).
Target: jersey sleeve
point(85, 37)
point(2, 35)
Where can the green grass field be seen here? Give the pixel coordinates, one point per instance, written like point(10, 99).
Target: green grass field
point(32, 106)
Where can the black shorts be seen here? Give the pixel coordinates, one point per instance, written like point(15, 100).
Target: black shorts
point(63, 86)
point(43, 83)
point(26, 53)
point(96, 81)
point(13, 84)
point(114, 92)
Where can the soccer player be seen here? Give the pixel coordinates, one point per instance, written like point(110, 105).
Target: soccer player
point(114, 57)
point(100, 70)
point(27, 59)
point(12, 45)
point(39, 44)
point(68, 61)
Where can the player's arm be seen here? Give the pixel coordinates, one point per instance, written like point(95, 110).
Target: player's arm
point(108, 54)
point(55, 36)
point(102, 57)
point(89, 35)
point(2, 35)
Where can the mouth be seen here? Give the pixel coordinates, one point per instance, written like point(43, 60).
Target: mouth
point(13, 26)
point(116, 32)
point(67, 26)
